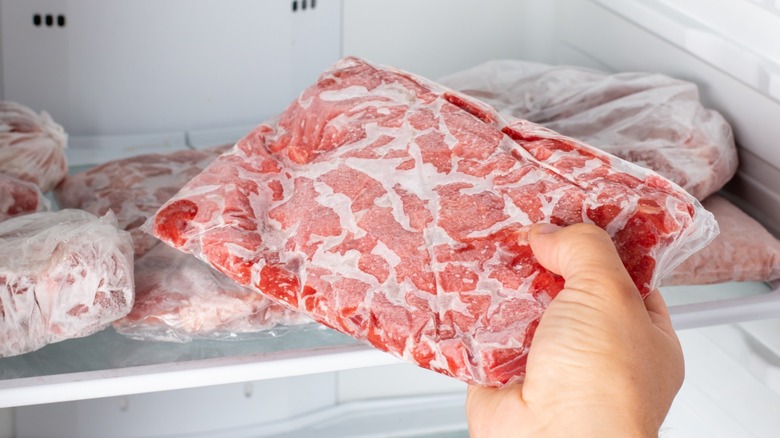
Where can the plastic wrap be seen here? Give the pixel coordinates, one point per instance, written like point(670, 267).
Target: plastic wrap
point(134, 188)
point(395, 210)
point(32, 146)
point(743, 251)
point(649, 119)
point(179, 298)
point(63, 275)
point(19, 197)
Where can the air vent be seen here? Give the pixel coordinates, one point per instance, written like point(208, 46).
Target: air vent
point(48, 20)
point(303, 5)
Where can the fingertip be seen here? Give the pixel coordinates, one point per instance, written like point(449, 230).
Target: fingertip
point(540, 238)
point(545, 228)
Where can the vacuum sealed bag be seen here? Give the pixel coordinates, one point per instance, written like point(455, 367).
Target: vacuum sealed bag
point(32, 146)
point(743, 251)
point(134, 188)
point(179, 298)
point(19, 197)
point(395, 210)
point(649, 119)
point(63, 274)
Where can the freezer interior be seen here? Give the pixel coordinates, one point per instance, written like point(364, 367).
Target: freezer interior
point(131, 77)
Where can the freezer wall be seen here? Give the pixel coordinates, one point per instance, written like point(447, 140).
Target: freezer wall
point(437, 37)
point(144, 66)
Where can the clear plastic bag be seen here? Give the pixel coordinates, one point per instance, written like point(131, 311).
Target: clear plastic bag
point(63, 274)
point(179, 298)
point(134, 188)
point(649, 119)
point(20, 197)
point(32, 146)
point(395, 210)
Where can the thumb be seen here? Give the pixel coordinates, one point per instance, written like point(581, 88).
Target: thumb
point(586, 258)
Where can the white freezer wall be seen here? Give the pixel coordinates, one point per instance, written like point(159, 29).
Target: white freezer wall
point(438, 37)
point(135, 67)
point(146, 66)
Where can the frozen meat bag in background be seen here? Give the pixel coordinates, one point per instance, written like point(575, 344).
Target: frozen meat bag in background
point(395, 210)
point(134, 188)
point(743, 251)
point(32, 146)
point(63, 274)
point(19, 197)
point(179, 298)
point(651, 120)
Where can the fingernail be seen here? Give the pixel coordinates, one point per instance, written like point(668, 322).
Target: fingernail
point(546, 228)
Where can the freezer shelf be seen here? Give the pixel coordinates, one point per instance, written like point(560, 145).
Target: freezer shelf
point(108, 364)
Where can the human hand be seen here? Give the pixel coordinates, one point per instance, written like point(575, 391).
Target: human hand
point(602, 363)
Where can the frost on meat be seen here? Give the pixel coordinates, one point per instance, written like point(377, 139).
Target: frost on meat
point(134, 188)
point(63, 275)
point(19, 197)
point(395, 210)
point(179, 298)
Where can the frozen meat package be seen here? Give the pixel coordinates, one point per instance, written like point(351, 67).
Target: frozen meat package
point(179, 298)
point(134, 188)
point(650, 119)
point(743, 251)
point(32, 146)
point(19, 197)
point(63, 274)
point(396, 210)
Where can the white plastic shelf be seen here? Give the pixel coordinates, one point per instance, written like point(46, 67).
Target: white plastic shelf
point(108, 364)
